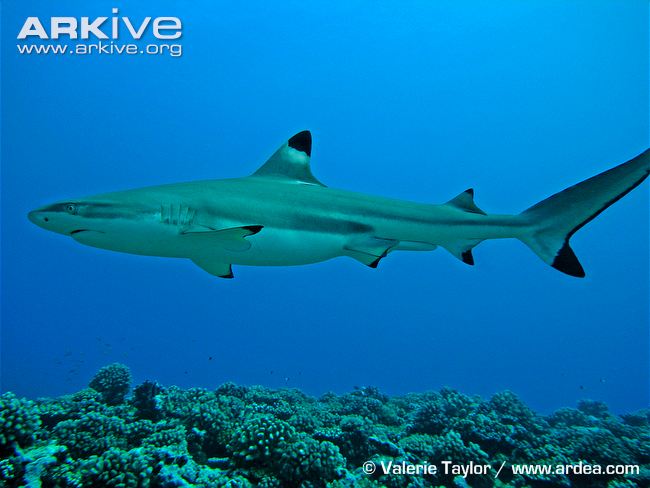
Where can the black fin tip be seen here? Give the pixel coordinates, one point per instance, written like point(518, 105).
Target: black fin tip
point(228, 276)
point(254, 229)
point(301, 142)
point(567, 262)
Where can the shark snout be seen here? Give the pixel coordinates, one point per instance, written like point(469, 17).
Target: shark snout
point(49, 218)
point(38, 217)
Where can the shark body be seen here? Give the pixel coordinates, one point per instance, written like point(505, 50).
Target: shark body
point(282, 215)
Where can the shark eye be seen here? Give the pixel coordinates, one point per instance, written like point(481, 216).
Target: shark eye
point(71, 208)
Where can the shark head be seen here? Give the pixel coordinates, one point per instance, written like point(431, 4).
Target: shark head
point(120, 221)
point(68, 218)
point(79, 219)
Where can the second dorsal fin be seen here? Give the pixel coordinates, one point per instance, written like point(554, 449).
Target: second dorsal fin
point(291, 161)
point(465, 201)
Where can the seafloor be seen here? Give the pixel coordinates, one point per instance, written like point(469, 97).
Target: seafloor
point(240, 436)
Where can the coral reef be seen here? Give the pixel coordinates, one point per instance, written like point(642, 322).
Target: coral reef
point(238, 436)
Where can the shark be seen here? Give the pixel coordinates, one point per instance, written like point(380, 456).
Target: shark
point(282, 215)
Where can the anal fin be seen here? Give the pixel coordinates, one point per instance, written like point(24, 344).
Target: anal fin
point(462, 249)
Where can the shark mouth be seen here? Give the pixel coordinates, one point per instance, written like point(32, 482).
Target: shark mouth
point(84, 230)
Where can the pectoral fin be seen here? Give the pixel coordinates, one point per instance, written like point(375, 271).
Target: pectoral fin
point(232, 239)
point(216, 268)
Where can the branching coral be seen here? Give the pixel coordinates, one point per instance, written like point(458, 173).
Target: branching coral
point(144, 400)
point(442, 412)
point(207, 417)
point(260, 440)
point(118, 468)
point(19, 422)
point(91, 434)
point(310, 461)
point(112, 382)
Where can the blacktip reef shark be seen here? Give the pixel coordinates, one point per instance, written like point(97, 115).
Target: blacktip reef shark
point(281, 215)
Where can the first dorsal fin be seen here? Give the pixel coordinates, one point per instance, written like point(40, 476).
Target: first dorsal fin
point(465, 201)
point(291, 161)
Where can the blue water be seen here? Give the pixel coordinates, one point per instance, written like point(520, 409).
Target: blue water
point(415, 100)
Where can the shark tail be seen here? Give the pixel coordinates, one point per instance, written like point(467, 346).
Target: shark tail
point(552, 222)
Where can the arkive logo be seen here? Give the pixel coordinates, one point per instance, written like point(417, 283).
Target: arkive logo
point(163, 27)
point(94, 31)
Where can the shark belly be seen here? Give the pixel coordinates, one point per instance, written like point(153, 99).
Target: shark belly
point(287, 247)
point(273, 246)
point(145, 239)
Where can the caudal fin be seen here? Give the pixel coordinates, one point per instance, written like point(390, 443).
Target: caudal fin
point(553, 221)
